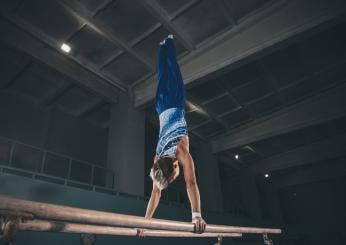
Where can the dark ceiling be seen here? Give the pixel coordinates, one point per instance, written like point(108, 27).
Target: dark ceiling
point(116, 41)
point(114, 45)
point(277, 80)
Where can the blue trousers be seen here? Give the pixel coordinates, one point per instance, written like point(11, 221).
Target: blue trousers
point(170, 91)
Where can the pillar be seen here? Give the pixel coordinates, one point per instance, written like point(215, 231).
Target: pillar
point(126, 147)
point(208, 178)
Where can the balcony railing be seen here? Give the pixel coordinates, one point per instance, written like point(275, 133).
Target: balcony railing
point(37, 163)
point(36, 160)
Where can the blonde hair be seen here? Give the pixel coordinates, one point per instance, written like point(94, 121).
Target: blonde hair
point(158, 178)
point(161, 171)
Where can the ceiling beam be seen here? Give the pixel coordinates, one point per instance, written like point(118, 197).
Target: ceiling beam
point(19, 74)
point(241, 104)
point(315, 110)
point(207, 112)
point(38, 34)
point(91, 107)
point(316, 152)
point(147, 33)
point(183, 9)
point(30, 45)
point(258, 33)
point(161, 15)
point(193, 132)
point(50, 99)
point(227, 11)
point(103, 30)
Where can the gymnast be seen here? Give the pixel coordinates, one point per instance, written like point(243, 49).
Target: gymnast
point(173, 145)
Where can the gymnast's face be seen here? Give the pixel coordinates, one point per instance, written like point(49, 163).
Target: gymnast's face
point(175, 172)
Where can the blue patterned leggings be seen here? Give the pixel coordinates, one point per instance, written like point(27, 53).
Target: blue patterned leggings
point(170, 91)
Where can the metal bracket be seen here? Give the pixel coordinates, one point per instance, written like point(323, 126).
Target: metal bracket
point(9, 221)
point(219, 241)
point(8, 228)
point(267, 240)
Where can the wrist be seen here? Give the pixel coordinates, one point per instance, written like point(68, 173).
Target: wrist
point(196, 215)
point(148, 216)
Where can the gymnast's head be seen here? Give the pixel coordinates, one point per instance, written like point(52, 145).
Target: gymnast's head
point(164, 171)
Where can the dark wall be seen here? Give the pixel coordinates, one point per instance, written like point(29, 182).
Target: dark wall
point(77, 138)
point(231, 189)
point(311, 200)
point(22, 121)
point(51, 129)
point(317, 208)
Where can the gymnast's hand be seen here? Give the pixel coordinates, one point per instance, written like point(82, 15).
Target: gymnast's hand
point(140, 233)
point(199, 224)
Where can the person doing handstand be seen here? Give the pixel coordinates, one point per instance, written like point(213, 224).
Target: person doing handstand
point(172, 148)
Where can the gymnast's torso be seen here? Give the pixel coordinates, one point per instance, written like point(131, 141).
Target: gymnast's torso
point(172, 127)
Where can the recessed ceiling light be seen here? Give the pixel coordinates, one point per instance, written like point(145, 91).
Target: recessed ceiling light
point(66, 48)
point(236, 156)
point(266, 176)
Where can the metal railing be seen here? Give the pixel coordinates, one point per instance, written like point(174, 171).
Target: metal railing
point(36, 160)
point(39, 172)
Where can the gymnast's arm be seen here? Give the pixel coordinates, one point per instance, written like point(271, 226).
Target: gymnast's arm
point(192, 189)
point(153, 202)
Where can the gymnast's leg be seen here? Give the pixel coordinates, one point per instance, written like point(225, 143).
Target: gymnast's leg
point(170, 91)
point(174, 75)
point(161, 75)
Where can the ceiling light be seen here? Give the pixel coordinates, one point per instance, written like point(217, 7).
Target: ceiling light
point(66, 48)
point(236, 156)
point(266, 176)
point(190, 107)
point(195, 108)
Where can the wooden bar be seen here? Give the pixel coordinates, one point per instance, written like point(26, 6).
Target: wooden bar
point(86, 216)
point(162, 233)
point(54, 226)
point(57, 226)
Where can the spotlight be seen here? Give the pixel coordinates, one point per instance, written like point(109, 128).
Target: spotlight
point(66, 48)
point(236, 156)
point(266, 176)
